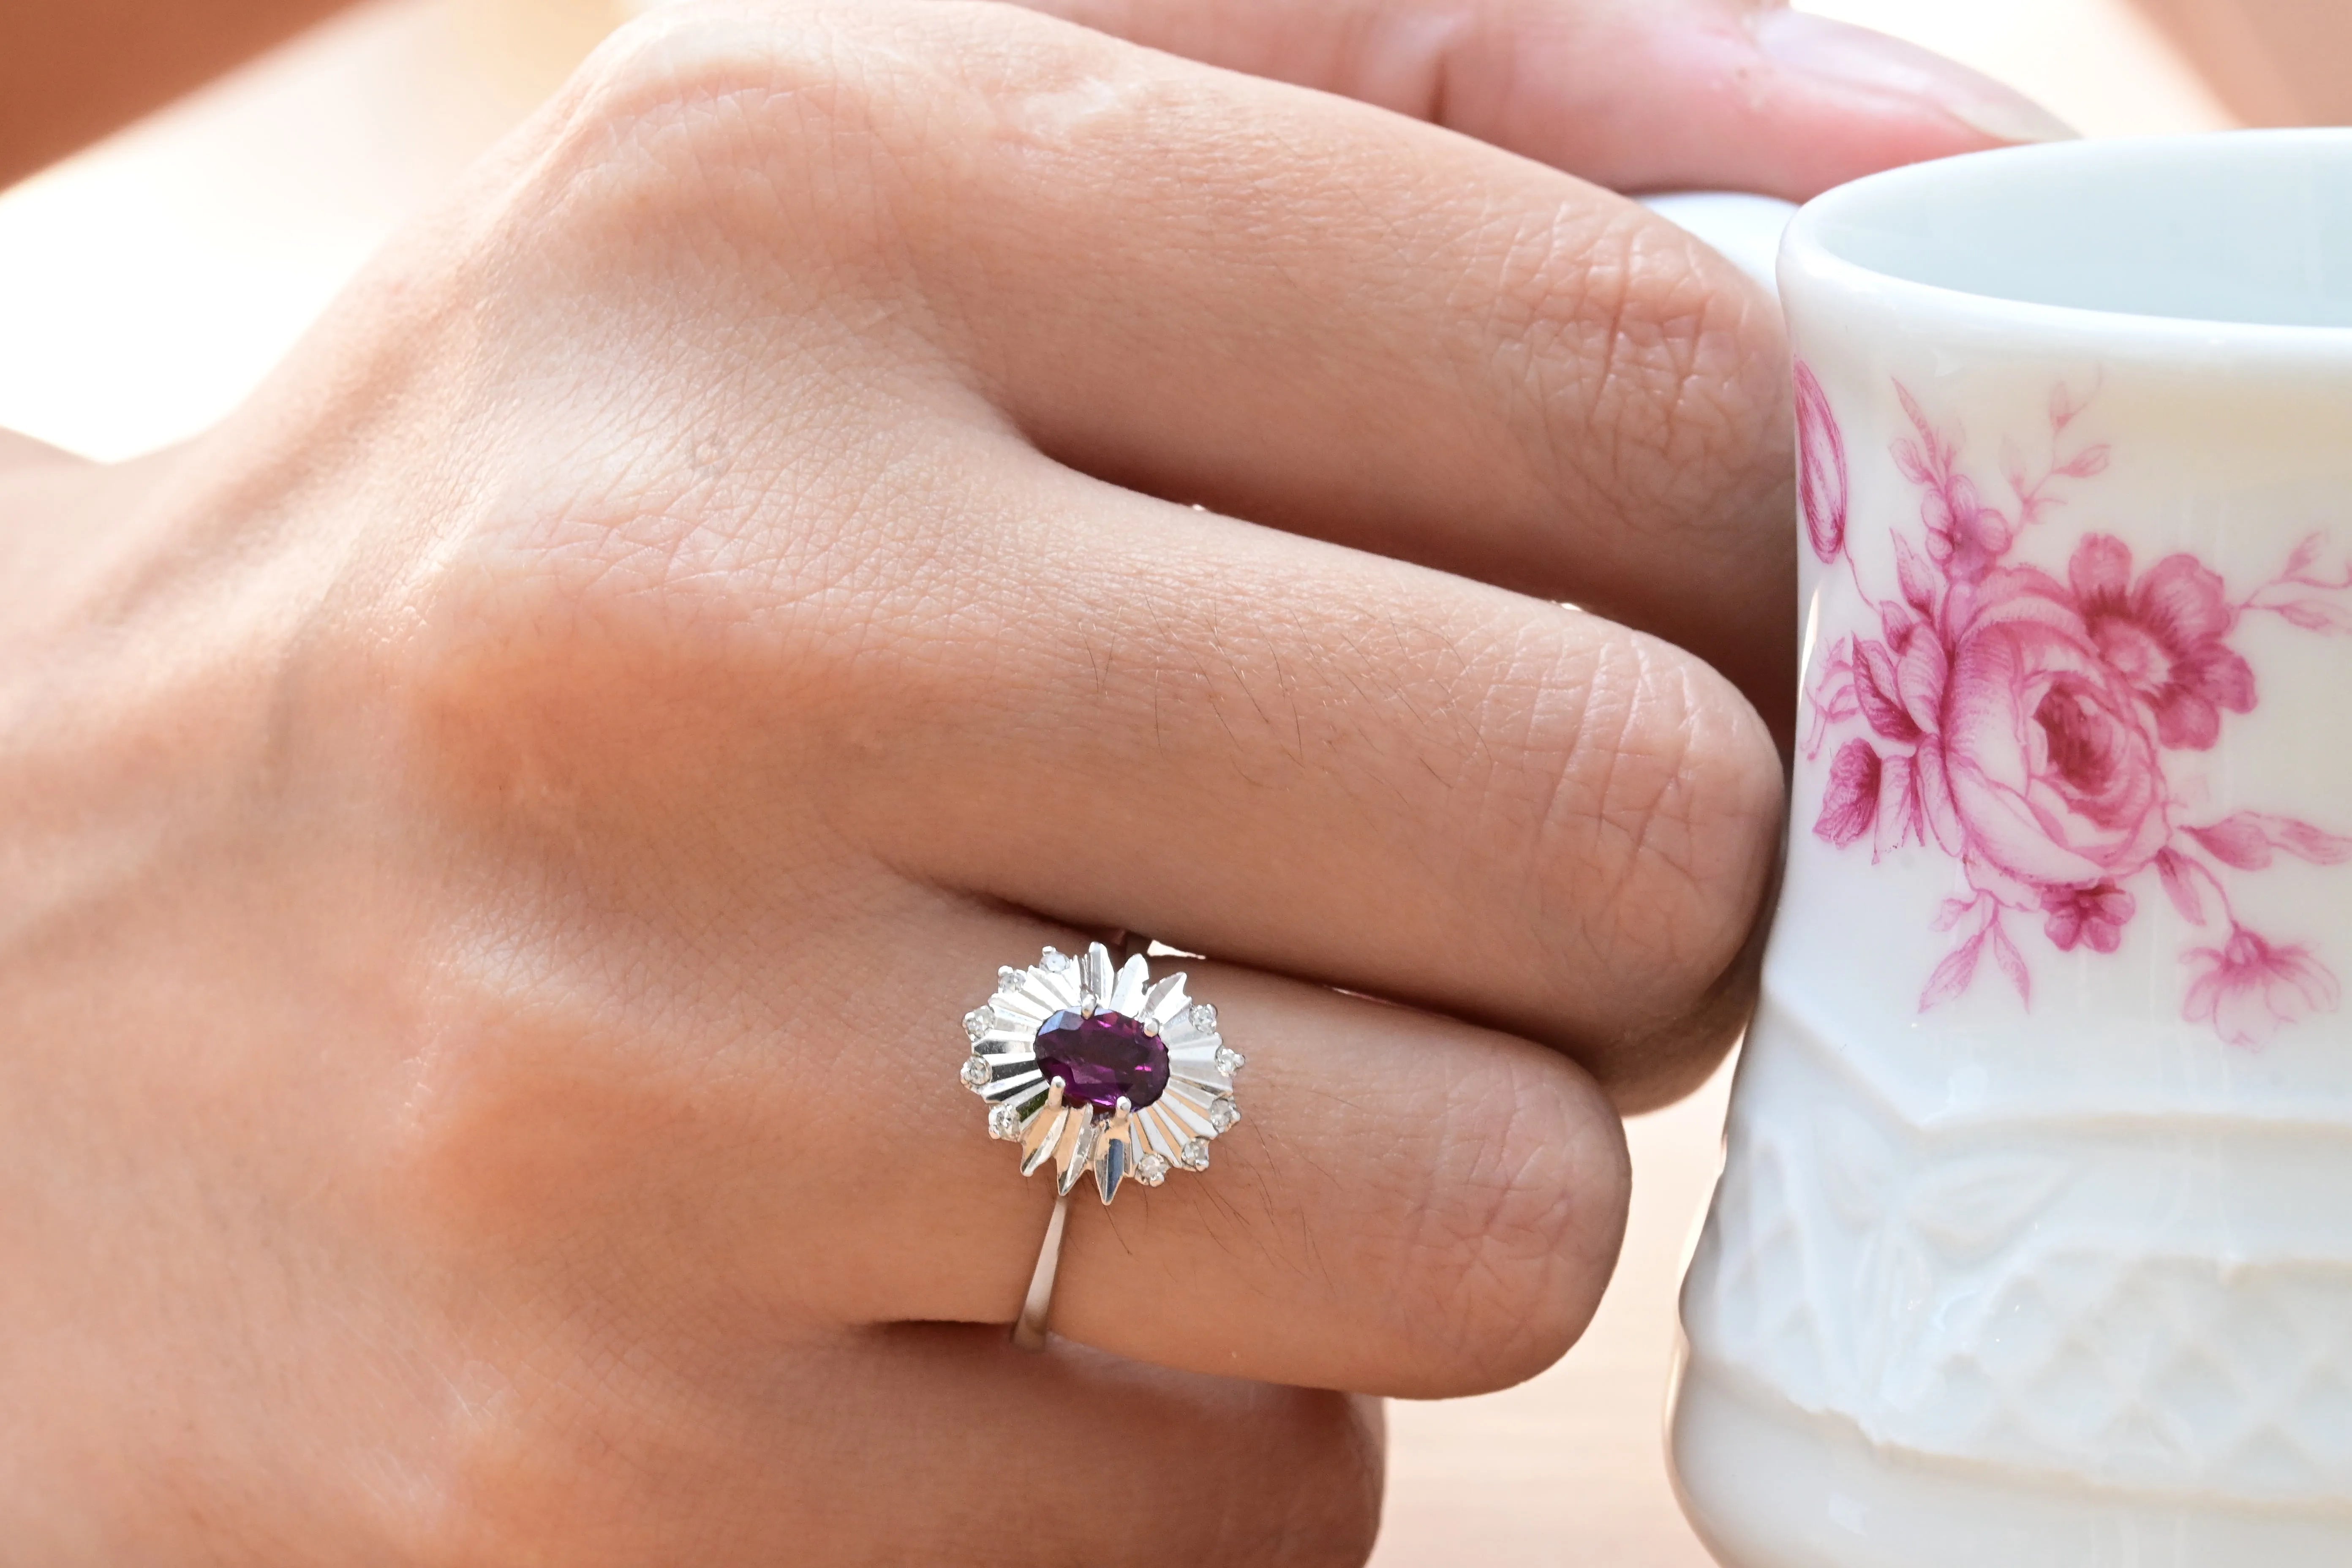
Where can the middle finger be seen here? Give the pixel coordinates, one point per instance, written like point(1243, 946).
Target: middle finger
point(1328, 318)
point(1321, 763)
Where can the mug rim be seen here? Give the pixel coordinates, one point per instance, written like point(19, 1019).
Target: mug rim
point(1810, 257)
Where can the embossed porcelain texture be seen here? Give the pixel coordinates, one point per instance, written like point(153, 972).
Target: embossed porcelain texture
point(2033, 1243)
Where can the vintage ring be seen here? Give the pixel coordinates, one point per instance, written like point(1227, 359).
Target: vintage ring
point(1098, 1069)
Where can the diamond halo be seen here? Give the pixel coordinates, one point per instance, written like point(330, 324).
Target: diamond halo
point(1101, 1069)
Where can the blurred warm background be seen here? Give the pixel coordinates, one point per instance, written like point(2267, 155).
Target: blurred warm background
point(146, 284)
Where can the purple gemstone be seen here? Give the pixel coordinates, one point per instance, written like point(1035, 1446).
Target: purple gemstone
point(1098, 1059)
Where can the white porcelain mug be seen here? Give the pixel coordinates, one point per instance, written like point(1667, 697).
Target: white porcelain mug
point(2033, 1243)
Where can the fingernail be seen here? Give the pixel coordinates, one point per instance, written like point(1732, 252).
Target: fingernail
point(1860, 57)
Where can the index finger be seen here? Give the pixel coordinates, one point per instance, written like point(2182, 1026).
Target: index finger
point(1342, 323)
point(1639, 95)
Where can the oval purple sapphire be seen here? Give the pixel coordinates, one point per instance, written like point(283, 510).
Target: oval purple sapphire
point(1101, 1058)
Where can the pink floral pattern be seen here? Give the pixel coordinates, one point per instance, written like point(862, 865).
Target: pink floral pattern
point(2030, 728)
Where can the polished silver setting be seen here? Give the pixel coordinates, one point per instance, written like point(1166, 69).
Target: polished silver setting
point(1025, 1107)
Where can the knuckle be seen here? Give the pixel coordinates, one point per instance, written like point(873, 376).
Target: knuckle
point(727, 130)
point(530, 1124)
point(708, 52)
point(834, 128)
point(1518, 1227)
point(1651, 366)
point(1664, 805)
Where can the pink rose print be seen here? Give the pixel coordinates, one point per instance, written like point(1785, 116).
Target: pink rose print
point(1821, 467)
point(2249, 988)
point(2054, 780)
point(2021, 725)
point(2164, 637)
point(2095, 915)
point(1851, 803)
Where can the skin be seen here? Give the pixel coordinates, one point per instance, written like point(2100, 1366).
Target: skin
point(499, 832)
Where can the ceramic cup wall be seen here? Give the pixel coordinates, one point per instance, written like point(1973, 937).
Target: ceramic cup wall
point(2033, 1244)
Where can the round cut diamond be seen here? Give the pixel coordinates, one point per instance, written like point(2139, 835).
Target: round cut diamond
point(1005, 1121)
point(979, 1022)
point(1101, 1058)
point(1222, 1114)
point(1056, 963)
point(1193, 1155)
point(1204, 1016)
point(1151, 1170)
point(1230, 1061)
point(1009, 979)
point(977, 1072)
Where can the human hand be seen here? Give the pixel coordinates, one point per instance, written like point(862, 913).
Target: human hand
point(502, 832)
point(1636, 95)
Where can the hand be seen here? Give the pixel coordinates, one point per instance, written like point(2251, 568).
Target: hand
point(502, 832)
point(1643, 96)
point(1638, 95)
